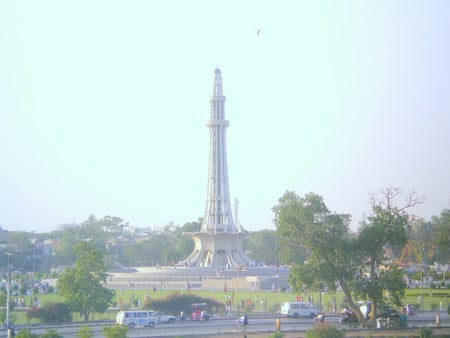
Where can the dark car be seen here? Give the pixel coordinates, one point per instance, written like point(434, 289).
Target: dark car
point(388, 311)
point(391, 316)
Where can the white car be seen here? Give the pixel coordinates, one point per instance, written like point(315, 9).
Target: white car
point(165, 318)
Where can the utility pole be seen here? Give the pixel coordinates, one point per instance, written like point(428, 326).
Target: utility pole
point(8, 287)
point(421, 279)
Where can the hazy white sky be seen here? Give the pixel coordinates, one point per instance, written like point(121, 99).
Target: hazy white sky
point(104, 104)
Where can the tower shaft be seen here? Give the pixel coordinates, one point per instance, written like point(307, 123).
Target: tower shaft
point(218, 215)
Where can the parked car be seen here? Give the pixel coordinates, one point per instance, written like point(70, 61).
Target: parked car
point(165, 318)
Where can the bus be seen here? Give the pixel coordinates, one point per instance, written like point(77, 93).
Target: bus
point(146, 318)
point(298, 309)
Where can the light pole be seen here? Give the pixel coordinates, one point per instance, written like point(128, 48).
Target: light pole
point(320, 296)
point(8, 286)
point(421, 279)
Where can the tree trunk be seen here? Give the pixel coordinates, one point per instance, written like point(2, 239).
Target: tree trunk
point(354, 306)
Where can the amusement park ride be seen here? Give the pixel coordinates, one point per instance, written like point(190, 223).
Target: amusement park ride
point(409, 255)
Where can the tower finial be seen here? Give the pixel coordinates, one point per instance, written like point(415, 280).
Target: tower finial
point(217, 83)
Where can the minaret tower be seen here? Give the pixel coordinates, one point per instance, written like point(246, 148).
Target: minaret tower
point(218, 217)
point(218, 244)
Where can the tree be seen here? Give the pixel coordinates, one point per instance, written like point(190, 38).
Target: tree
point(263, 244)
point(442, 225)
point(317, 242)
point(306, 227)
point(387, 227)
point(291, 217)
point(97, 231)
point(82, 286)
point(19, 243)
point(164, 248)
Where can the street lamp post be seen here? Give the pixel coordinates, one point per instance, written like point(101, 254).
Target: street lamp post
point(320, 296)
point(8, 287)
point(421, 279)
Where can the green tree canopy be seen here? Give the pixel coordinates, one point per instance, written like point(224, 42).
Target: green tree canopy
point(82, 286)
point(442, 225)
point(316, 241)
point(263, 245)
point(387, 227)
point(323, 252)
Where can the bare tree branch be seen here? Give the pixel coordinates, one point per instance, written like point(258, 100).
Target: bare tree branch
point(389, 196)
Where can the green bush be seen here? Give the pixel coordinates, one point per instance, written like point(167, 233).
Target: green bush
point(275, 335)
point(176, 302)
point(51, 334)
point(25, 333)
point(325, 330)
point(51, 313)
point(85, 332)
point(425, 332)
point(115, 331)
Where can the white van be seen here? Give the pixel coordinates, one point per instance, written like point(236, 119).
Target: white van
point(298, 309)
point(146, 318)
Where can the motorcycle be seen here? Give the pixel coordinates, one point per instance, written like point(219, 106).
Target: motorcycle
point(347, 317)
point(183, 317)
point(319, 318)
point(242, 321)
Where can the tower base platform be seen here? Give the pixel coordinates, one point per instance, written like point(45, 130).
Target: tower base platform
point(222, 250)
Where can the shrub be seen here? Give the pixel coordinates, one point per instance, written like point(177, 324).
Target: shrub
point(275, 335)
point(25, 333)
point(51, 334)
point(85, 332)
point(115, 331)
point(51, 313)
point(176, 302)
point(325, 330)
point(425, 332)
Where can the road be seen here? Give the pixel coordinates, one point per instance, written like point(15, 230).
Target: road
point(228, 326)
